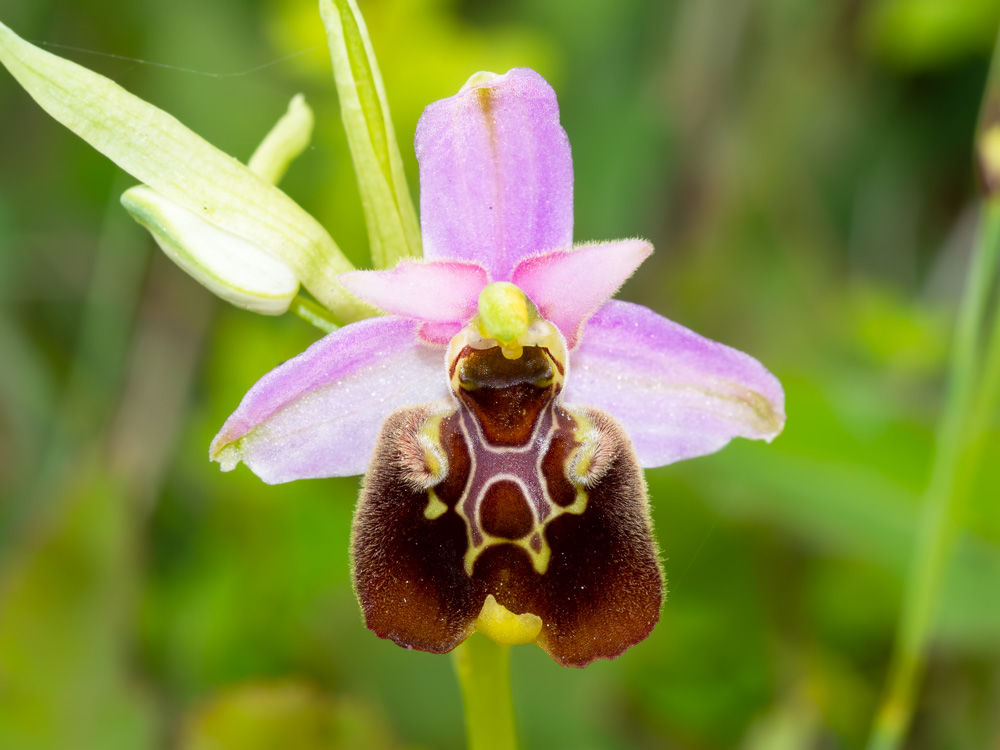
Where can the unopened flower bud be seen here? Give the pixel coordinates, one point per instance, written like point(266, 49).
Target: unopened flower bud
point(236, 269)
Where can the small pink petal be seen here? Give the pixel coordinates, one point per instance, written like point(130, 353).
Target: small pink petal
point(678, 394)
point(439, 291)
point(319, 414)
point(496, 175)
point(438, 334)
point(569, 286)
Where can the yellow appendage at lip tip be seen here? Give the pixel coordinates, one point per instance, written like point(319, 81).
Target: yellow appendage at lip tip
point(504, 627)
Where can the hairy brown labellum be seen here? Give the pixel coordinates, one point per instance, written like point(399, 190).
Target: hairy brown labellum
point(511, 493)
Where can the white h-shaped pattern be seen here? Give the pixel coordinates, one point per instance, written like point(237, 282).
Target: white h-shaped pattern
point(520, 464)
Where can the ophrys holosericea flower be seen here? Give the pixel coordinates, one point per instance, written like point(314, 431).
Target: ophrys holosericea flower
point(503, 408)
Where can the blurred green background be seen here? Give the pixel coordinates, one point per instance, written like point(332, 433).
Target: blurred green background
point(804, 170)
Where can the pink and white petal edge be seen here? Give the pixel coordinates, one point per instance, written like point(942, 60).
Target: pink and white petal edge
point(438, 291)
point(568, 286)
point(319, 414)
point(678, 394)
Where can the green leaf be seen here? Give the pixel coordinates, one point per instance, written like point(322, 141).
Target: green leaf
point(288, 138)
point(181, 166)
point(393, 229)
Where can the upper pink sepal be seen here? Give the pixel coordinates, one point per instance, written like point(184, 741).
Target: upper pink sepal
point(442, 291)
point(319, 414)
point(568, 286)
point(496, 175)
point(678, 394)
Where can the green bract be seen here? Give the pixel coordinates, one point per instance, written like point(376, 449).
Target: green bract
point(393, 229)
point(288, 138)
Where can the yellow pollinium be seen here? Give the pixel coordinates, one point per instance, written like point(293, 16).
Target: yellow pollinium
point(503, 626)
point(505, 314)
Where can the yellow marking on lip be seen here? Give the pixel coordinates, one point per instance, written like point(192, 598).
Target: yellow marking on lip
point(435, 508)
point(539, 558)
point(430, 439)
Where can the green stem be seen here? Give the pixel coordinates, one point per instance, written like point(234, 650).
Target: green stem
point(943, 500)
point(314, 313)
point(989, 389)
point(483, 669)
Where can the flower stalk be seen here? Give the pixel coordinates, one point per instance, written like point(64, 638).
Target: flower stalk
point(941, 513)
point(483, 669)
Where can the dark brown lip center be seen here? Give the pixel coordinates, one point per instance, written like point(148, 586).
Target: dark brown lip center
point(506, 395)
point(488, 368)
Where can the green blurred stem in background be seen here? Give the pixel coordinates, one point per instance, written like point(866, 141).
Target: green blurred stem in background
point(972, 387)
point(483, 669)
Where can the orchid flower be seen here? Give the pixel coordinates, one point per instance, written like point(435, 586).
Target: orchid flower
point(503, 408)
